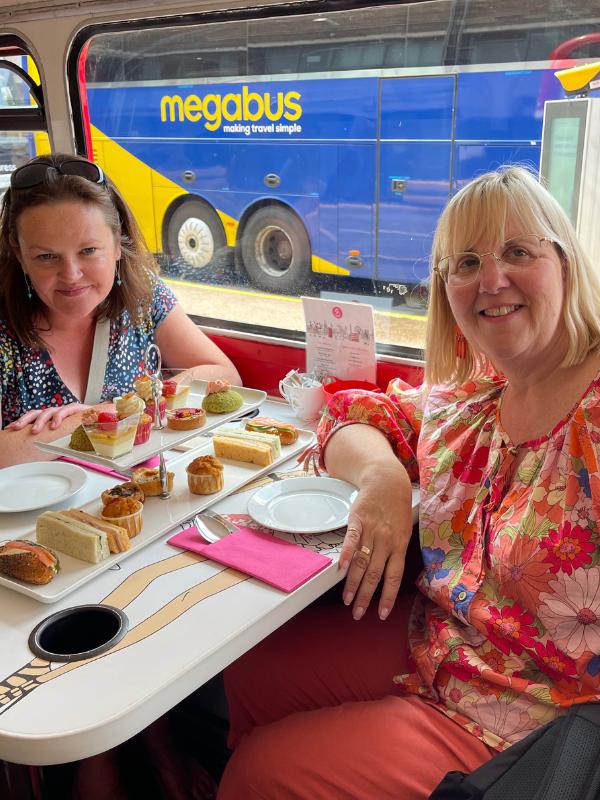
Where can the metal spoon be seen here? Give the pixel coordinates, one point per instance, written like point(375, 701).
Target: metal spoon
point(213, 528)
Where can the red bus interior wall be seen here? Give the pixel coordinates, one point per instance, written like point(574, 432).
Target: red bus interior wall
point(262, 365)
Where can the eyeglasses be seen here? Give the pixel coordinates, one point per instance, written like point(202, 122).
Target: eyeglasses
point(30, 175)
point(460, 269)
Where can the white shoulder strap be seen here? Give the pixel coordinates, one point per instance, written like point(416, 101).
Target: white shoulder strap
point(98, 363)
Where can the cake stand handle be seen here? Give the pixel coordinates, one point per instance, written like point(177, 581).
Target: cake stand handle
point(164, 479)
point(152, 351)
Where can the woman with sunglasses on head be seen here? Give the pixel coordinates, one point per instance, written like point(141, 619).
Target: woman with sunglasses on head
point(504, 436)
point(78, 287)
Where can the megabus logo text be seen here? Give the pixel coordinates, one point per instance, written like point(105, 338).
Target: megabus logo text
point(236, 107)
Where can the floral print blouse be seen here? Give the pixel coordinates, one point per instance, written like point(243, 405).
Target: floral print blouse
point(505, 633)
point(29, 379)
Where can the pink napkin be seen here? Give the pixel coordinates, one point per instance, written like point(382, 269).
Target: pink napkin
point(151, 462)
point(96, 467)
point(281, 564)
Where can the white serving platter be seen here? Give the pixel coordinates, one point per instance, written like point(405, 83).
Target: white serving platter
point(160, 517)
point(165, 439)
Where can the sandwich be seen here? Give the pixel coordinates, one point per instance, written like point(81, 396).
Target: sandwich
point(257, 448)
point(287, 432)
point(28, 562)
point(58, 530)
point(117, 537)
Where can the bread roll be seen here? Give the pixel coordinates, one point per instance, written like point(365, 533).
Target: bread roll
point(28, 562)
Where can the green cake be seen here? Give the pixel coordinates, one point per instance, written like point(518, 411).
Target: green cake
point(79, 441)
point(222, 402)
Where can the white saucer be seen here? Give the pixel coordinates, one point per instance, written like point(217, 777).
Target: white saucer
point(25, 487)
point(303, 505)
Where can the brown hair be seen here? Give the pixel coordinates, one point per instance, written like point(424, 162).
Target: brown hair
point(478, 212)
point(137, 265)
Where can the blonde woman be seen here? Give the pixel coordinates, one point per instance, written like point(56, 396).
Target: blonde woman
point(504, 633)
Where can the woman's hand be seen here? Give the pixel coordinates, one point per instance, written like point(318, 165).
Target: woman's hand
point(379, 529)
point(52, 417)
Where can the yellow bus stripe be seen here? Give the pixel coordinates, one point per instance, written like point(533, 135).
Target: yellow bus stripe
point(250, 293)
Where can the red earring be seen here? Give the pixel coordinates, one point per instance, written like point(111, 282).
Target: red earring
point(460, 343)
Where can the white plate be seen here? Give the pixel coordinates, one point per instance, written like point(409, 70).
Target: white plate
point(159, 517)
point(303, 505)
point(165, 439)
point(25, 487)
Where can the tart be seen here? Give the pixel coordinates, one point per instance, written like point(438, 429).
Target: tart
point(185, 419)
point(205, 475)
point(127, 489)
point(125, 512)
point(148, 480)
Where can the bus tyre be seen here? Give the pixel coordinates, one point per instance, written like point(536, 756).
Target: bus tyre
point(195, 234)
point(275, 250)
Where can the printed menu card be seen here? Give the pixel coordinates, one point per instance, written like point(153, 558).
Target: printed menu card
point(340, 339)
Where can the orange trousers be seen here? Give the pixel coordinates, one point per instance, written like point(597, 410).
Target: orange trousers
point(315, 716)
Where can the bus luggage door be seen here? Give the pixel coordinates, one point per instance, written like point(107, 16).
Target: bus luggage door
point(415, 166)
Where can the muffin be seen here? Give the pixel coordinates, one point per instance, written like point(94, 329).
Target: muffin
point(148, 480)
point(128, 404)
point(205, 475)
point(127, 489)
point(185, 419)
point(142, 434)
point(79, 441)
point(220, 399)
point(143, 387)
point(125, 512)
point(162, 408)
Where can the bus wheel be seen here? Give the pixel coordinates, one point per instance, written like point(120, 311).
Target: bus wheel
point(195, 234)
point(275, 250)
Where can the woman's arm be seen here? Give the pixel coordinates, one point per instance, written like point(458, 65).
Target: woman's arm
point(380, 519)
point(44, 425)
point(183, 345)
point(17, 445)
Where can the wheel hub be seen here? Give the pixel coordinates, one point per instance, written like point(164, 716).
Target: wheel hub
point(195, 242)
point(274, 251)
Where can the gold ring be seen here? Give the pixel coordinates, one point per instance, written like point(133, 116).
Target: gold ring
point(365, 550)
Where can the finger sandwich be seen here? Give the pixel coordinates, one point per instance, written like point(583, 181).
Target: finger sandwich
point(117, 537)
point(59, 531)
point(252, 447)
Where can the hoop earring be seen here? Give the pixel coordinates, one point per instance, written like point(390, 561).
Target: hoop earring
point(460, 343)
point(28, 286)
point(118, 280)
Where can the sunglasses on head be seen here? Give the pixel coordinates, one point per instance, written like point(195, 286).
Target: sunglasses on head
point(30, 175)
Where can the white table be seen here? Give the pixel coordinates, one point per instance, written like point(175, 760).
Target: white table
point(186, 625)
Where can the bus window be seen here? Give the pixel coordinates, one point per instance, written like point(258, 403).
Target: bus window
point(18, 108)
point(313, 153)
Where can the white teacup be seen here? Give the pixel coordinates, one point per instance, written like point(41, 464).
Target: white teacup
point(305, 401)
